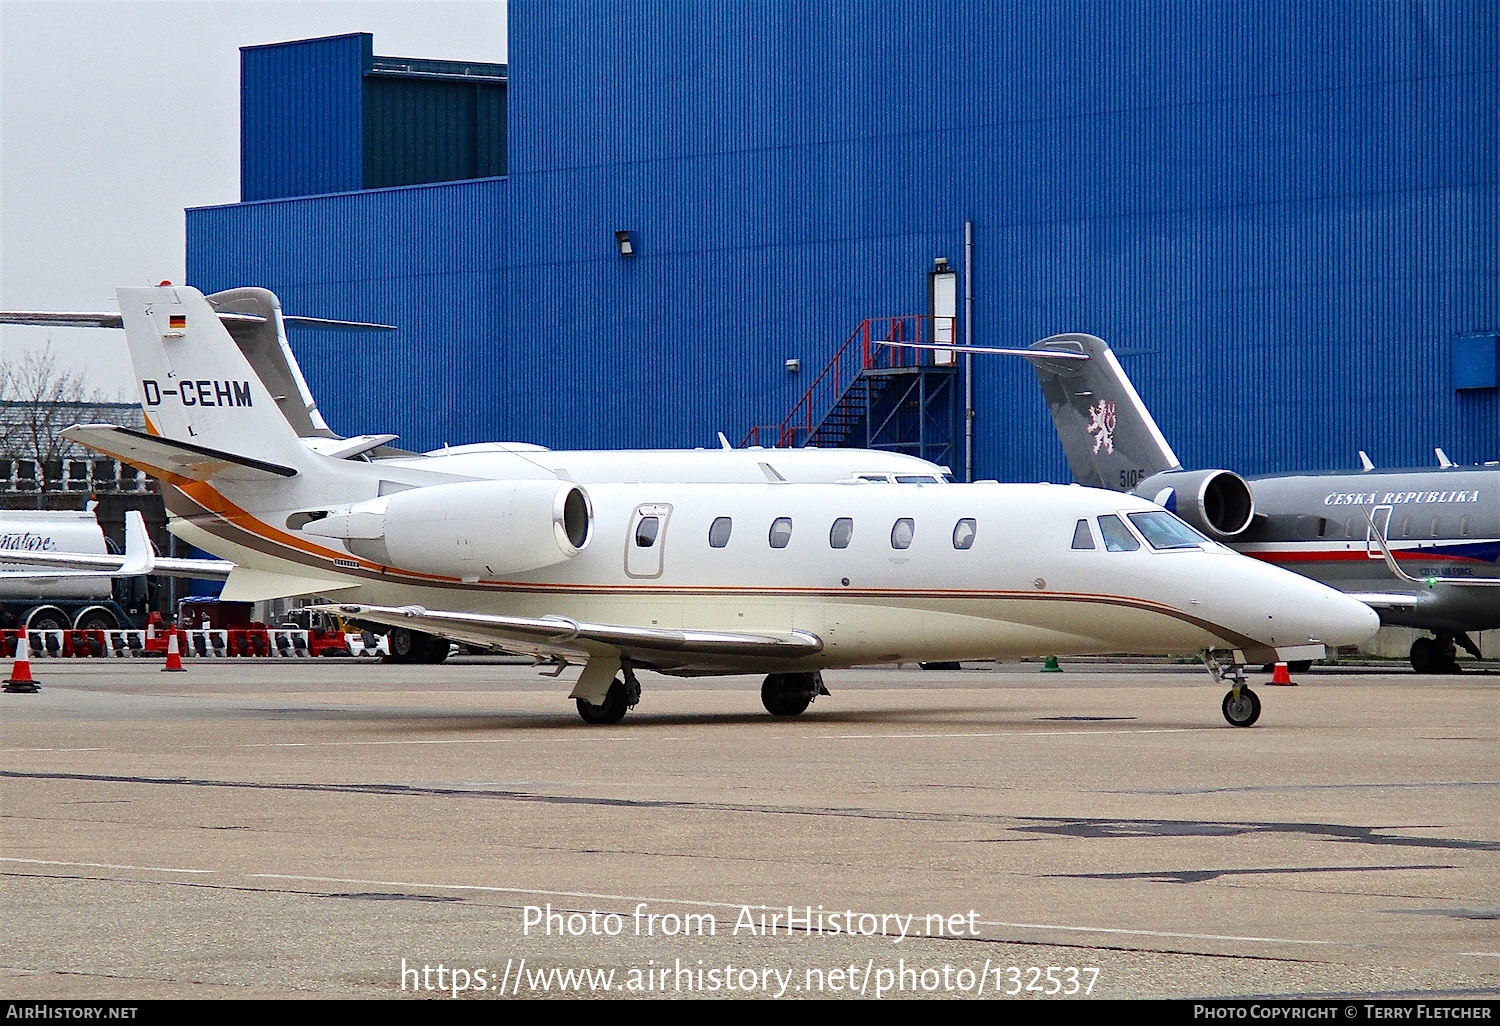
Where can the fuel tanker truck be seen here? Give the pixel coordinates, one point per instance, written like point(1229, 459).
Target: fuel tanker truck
point(85, 603)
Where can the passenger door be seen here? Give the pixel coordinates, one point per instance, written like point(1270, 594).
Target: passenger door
point(646, 541)
point(1382, 517)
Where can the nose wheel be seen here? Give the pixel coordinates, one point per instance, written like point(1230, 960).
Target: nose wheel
point(1241, 707)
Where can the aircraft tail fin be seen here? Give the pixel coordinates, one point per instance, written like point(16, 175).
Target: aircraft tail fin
point(197, 389)
point(1107, 433)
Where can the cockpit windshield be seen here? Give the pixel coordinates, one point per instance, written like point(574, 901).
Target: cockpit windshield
point(1164, 531)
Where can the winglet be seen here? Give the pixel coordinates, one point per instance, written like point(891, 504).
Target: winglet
point(1443, 460)
point(1365, 463)
point(140, 555)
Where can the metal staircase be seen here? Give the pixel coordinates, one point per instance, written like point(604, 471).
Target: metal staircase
point(878, 394)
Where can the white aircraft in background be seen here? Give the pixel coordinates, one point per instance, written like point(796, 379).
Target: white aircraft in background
point(255, 321)
point(782, 579)
point(140, 559)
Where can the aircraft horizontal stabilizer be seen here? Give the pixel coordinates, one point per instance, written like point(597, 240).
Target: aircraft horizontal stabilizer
point(48, 319)
point(1030, 354)
point(172, 461)
point(560, 634)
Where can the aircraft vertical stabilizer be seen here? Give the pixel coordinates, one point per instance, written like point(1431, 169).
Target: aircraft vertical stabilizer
point(1108, 435)
point(197, 388)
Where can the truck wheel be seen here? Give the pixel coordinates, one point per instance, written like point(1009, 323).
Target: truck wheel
point(98, 620)
point(47, 620)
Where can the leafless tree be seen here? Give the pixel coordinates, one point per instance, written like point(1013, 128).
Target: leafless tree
point(37, 400)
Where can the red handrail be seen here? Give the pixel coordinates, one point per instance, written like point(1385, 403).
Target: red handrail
point(841, 372)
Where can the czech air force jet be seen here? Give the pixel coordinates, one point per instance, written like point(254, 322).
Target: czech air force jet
point(1419, 546)
point(779, 579)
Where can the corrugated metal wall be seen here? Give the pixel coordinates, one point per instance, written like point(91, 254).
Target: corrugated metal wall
point(432, 131)
point(427, 258)
point(300, 117)
point(1285, 211)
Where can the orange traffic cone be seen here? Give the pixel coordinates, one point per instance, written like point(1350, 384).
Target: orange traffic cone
point(20, 681)
point(1280, 676)
point(174, 657)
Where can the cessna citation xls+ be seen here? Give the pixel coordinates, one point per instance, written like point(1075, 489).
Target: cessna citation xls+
point(780, 579)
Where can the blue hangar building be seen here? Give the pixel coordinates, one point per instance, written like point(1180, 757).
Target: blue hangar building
point(665, 218)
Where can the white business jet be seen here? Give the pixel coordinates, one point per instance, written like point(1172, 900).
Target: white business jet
point(781, 579)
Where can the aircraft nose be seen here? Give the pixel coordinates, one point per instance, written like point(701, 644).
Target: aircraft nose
point(1346, 621)
point(1331, 616)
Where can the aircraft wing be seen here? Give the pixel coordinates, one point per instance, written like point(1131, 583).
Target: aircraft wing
point(174, 462)
point(1386, 600)
point(561, 635)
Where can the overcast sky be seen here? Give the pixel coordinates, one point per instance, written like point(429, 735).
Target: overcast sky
point(116, 116)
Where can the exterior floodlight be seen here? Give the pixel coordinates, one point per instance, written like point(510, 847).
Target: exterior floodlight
point(622, 238)
point(793, 365)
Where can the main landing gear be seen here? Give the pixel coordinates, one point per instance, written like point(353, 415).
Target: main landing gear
point(408, 646)
point(789, 694)
point(1241, 705)
point(623, 695)
point(1440, 654)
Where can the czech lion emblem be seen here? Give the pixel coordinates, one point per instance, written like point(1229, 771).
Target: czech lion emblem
point(1102, 425)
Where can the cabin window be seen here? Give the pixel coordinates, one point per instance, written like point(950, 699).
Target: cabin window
point(1164, 531)
point(718, 532)
point(781, 532)
point(1435, 527)
point(645, 532)
point(1463, 526)
point(1406, 527)
point(1083, 538)
point(1117, 537)
point(1322, 526)
point(902, 532)
point(964, 532)
point(841, 533)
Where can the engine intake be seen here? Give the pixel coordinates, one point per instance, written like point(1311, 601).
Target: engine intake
point(1216, 502)
point(468, 530)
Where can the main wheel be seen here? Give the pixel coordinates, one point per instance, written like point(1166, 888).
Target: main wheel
point(1424, 655)
point(1242, 711)
point(610, 711)
point(787, 694)
point(434, 649)
point(405, 645)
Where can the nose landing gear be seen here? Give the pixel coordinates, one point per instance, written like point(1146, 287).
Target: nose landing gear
point(1241, 705)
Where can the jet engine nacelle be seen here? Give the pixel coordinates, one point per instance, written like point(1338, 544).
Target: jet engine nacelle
point(1216, 502)
point(468, 530)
